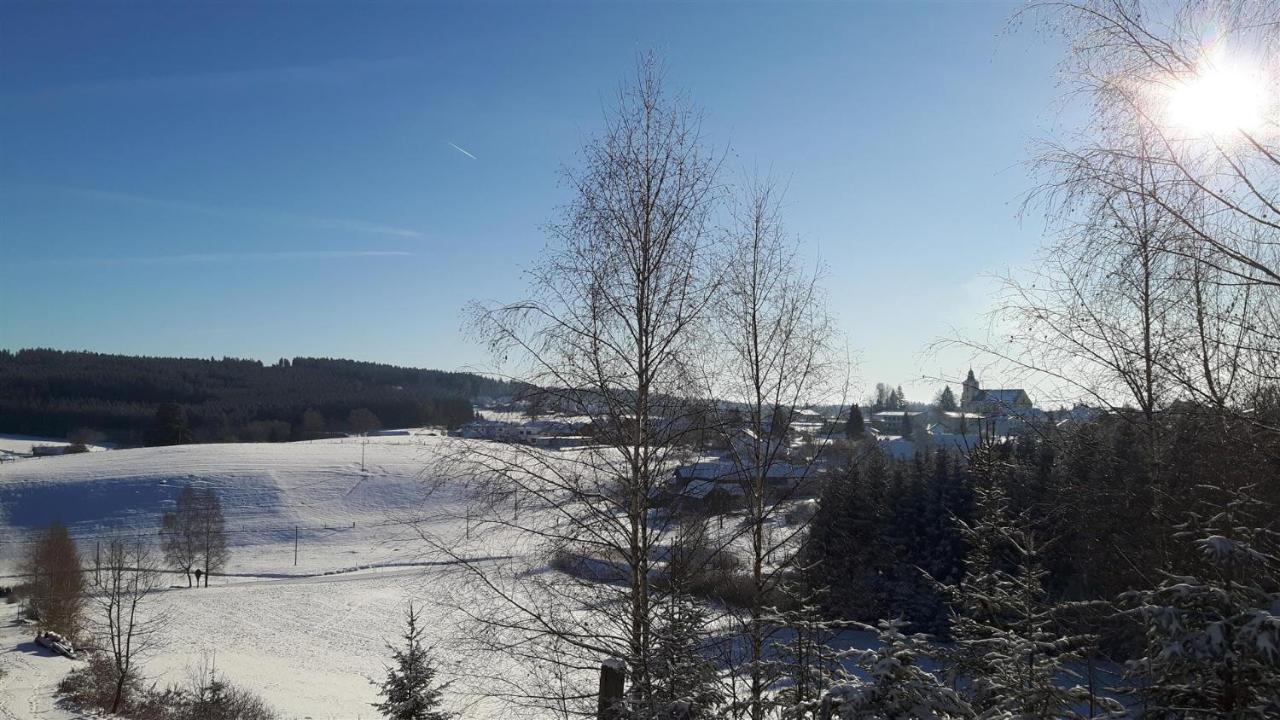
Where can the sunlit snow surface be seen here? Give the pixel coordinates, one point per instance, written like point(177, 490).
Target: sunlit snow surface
point(308, 637)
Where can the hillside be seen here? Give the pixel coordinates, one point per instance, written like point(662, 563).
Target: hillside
point(55, 393)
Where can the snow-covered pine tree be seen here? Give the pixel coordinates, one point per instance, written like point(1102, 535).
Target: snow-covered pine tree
point(686, 685)
point(898, 686)
point(410, 691)
point(1007, 652)
point(807, 663)
point(1213, 637)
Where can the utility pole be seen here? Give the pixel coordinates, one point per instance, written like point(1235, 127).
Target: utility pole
point(97, 562)
point(363, 444)
point(295, 545)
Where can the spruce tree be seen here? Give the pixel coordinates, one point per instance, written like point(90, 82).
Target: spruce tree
point(947, 400)
point(910, 595)
point(170, 425)
point(1007, 650)
point(686, 684)
point(882, 401)
point(410, 691)
point(854, 427)
point(847, 551)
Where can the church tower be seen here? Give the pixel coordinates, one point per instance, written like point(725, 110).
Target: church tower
point(970, 392)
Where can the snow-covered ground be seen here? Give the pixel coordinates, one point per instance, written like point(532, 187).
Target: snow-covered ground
point(309, 637)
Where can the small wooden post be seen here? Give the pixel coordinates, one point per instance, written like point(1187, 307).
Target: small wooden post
point(295, 545)
point(612, 674)
point(826, 709)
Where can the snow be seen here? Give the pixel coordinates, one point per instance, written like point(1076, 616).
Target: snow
point(309, 637)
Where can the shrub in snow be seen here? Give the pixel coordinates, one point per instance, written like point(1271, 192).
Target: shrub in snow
point(92, 686)
point(410, 691)
point(1213, 637)
point(208, 696)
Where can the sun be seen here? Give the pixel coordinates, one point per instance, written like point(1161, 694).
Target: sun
point(1221, 98)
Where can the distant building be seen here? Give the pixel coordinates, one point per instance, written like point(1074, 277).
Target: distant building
point(482, 429)
point(890, 422)
point(999, 401)
point(718, 481)
point(959, 423)
point(546, 433)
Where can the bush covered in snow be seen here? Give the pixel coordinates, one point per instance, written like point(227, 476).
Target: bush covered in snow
point(205, 696)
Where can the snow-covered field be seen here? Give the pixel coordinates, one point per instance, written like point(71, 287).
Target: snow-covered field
point(309, 637)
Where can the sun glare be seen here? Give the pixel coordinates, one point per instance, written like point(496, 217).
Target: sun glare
point(1220, 99)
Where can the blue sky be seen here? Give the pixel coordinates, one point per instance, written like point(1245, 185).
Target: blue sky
point(267, 180)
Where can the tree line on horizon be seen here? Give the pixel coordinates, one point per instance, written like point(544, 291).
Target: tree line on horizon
point(136, 400)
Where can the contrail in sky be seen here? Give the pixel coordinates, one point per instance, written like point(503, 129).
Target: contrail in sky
point(306, 221)
point(464, 152)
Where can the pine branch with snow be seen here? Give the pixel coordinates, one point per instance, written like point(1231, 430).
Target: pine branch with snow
point(897, 686)
point(1008, 652)
point(1213, 636)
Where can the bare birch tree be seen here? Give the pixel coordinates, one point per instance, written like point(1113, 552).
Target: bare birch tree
point(210, 531)
point(194, 534)
point(1158, 291)
point(1195, 206)
point(611, 333)
point(180, 537)
point(130, 574)
point(775, 339)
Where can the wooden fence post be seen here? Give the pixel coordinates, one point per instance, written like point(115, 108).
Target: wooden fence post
point(826, 710)
point(612, 674)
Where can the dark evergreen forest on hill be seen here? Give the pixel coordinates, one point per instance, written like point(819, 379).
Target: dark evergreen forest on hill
point(152, 400)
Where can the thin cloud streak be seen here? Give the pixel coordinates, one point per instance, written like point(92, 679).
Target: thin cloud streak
point(464, 152)
point(305, 221)
point(233, 80)
point(193, 258)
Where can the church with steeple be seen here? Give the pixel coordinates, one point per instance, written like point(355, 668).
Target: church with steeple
point(1000, 401)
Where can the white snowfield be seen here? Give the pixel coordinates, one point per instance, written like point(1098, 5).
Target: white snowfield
point(309, 637)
